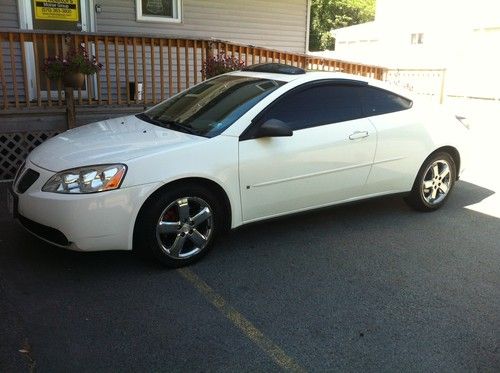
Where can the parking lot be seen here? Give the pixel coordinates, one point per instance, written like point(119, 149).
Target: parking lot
point(369, 286)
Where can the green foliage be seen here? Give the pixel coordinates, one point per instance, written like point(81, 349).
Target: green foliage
point(76, 61)
point(221, 64)
point(327, 15)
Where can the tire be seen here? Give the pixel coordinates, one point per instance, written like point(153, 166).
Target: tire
point(178, 227)
point(434, 183)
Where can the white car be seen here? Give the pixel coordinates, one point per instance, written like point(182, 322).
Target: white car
point(250, 145)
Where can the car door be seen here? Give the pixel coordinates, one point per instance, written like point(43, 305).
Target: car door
point(327, 159)
point(400, 147)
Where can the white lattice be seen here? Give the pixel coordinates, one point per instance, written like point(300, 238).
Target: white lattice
point(14, 147)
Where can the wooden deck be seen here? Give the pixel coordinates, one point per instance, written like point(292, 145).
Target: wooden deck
point(164, 66)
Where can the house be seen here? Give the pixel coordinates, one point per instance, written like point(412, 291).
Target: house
point(278, 24)
point(461, 37)
point(150, 49)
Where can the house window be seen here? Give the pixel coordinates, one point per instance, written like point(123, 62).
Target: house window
point(417, 38)
point(158, 10)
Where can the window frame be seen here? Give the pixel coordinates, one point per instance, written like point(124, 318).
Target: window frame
point(250, 132)
point(176, 18)
point(417, 38)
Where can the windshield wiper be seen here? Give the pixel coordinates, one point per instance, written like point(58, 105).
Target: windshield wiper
point(178, 126)
point(170, 124)
point(147, 118)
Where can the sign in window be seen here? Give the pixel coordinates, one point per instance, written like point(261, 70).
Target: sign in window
point(57, 10)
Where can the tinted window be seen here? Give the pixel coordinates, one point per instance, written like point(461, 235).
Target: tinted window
point(377, 101)
point(211, 107)
point(316, 105)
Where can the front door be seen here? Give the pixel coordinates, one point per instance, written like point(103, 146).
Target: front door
point(60, 15)
point(327, 160)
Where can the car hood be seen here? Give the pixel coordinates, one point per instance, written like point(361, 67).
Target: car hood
point(110, 141)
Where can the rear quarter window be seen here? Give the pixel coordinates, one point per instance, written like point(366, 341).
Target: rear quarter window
point(376, 101)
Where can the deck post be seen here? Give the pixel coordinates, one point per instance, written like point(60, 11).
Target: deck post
point(70, 107)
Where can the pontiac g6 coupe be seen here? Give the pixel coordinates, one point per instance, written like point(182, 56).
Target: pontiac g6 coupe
point(250, 145)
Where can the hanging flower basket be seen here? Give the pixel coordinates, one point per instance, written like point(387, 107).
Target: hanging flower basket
point(72, 68)
point(73, 80)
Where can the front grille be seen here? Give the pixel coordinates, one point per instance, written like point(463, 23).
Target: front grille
point(47, 233)
point(26, 180)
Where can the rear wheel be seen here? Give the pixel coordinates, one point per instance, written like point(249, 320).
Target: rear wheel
point(179, 226)
point(434, 183)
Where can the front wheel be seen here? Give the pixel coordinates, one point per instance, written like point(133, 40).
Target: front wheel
point(434, 183)
point(179, 226)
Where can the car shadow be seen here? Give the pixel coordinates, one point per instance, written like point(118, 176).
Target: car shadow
point(351, 216)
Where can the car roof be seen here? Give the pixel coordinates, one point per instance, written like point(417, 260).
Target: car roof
point(272, 76)
point(311, 76)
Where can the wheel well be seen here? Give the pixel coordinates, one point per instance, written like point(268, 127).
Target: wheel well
point(453, 152)
point(209, 184)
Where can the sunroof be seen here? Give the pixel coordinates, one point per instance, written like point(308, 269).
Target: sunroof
point(277, 68)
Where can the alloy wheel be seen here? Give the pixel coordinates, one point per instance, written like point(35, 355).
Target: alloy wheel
point(185, 227)
point(436, 182)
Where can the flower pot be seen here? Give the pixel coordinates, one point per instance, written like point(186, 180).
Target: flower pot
point(74, 80)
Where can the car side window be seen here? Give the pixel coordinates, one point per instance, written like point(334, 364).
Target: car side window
point(315, 106)
point(377, 101)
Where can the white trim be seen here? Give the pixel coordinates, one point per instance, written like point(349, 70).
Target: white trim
point(92, 20)
point(177, 13)
point(25, 21)
point(308, 24)
point(84, 5)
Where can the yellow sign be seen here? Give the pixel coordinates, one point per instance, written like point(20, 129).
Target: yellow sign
point(57, 10)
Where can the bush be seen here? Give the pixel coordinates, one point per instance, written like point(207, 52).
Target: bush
point(221, 64)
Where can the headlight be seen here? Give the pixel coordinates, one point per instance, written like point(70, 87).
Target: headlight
point(87, 179)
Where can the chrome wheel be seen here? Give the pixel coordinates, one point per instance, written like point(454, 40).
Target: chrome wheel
point(437, 182)
point(185, 227)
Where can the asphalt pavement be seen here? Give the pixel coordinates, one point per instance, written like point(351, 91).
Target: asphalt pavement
point(372, 286)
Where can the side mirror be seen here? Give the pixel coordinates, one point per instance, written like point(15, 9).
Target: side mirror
point(273, 128)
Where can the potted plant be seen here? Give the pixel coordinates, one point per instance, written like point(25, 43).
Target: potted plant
point(73, 67)
point(221, 64)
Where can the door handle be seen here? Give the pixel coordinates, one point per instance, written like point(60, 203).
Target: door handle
point(358, 135)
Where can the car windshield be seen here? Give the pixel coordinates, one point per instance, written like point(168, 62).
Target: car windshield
point(209, 108)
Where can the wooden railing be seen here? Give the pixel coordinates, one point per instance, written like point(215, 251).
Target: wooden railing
point(163, 66)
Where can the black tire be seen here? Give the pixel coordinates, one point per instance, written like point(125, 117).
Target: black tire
point(420, 197)
point(159, 212)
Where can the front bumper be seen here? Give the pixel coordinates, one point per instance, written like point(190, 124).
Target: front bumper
point(82, 222)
